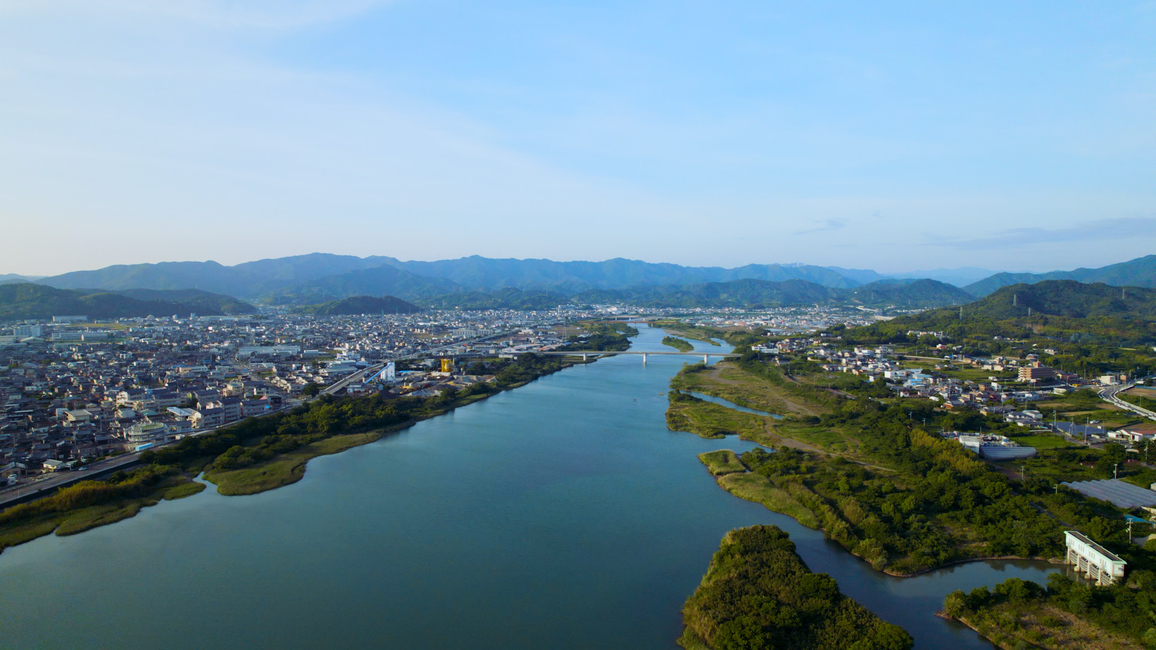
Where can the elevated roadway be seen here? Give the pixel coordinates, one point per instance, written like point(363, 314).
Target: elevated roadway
point(1109, 394)
point(585, 354)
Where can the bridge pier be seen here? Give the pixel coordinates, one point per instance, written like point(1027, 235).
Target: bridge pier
point(583, 358)
point(644, 358)
point(705, 359)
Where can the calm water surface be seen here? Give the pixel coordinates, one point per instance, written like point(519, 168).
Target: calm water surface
point(559, 515)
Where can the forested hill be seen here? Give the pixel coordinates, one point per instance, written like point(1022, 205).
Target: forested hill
point(1140, 272)
point(508, 298)
point(912, 294)
point(1057, 308)
point(361, 305)
point(27, 301)
point(1066, 298)
point(756, 294)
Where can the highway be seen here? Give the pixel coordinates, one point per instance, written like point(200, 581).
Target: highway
point(1108, 393)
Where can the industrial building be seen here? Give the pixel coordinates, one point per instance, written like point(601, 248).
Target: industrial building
point(1118, 493)
point(1095, 561)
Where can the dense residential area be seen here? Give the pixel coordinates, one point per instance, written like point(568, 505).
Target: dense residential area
point(72, 391)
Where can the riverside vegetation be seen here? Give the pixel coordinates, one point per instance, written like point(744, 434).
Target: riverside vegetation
point(1064, 614)
point(758, 593)
point(677, 343)
point(261, 454)
point(862, 466)
point(867, 472)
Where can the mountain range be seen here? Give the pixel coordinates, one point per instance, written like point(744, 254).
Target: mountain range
point(24, 300)
point(478, 282)
point(1140, 272)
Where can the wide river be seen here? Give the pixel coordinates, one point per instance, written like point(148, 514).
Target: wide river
point(559, 515)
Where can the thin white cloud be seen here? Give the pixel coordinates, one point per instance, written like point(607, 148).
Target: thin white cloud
point(258, 14)
point(827, 225)
point(1099, 230)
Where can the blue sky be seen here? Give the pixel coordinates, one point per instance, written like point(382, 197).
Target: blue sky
point(893, 136)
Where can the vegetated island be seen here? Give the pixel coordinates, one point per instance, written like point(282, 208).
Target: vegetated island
point(758, 593)
point(677, 343)
point(260, 454)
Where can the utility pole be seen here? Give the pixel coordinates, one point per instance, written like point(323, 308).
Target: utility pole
point(1021, 473)
point(1116, 470)
point(1057, 486)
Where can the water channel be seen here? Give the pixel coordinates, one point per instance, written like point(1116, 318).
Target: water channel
point(559, 515)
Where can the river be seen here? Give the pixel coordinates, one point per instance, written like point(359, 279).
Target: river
point(562, 514)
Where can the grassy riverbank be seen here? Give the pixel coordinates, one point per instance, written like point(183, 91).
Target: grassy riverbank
point(722, 462)
point(865, 473)
point(287, 468)
point(678, 344)
point(709, 420)
point(758, 593)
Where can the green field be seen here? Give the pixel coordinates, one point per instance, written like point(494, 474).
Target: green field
point(723, 461)
point(284, 469)
point(710, 420)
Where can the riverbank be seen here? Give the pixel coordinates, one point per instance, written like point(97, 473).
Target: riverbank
point(1050, 628)
point(709, 420)
point(896, 497)
point(253, 456)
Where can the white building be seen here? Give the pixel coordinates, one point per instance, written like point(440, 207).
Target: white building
point(1097, 562)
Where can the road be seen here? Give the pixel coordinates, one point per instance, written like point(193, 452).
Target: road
point(58, 480)
point(368, 372)
point(1108, 393)
point(62, 479)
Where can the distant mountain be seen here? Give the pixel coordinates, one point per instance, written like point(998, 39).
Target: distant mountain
point(909, 294)
point(1140, 272)
point(248, 280)
point(755, 294)
point(361, 305)
point(28, 301)
point(381, 280)
point(960, 277)
point(483, 273)
point(501, 299)
point(319, 277)
point(8, 278)
point(199, 302)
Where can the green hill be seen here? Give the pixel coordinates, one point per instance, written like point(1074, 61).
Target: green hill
point(1056, 308)
point(34, 301)
point(360, 305)
point(501, 299)
point(756, 294)
point(1140, 272)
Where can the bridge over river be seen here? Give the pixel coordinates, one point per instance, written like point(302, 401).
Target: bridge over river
point(585, 354)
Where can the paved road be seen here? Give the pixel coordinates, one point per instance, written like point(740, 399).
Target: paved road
point(58, 480)
point(1108, 393)
point(62, 479)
